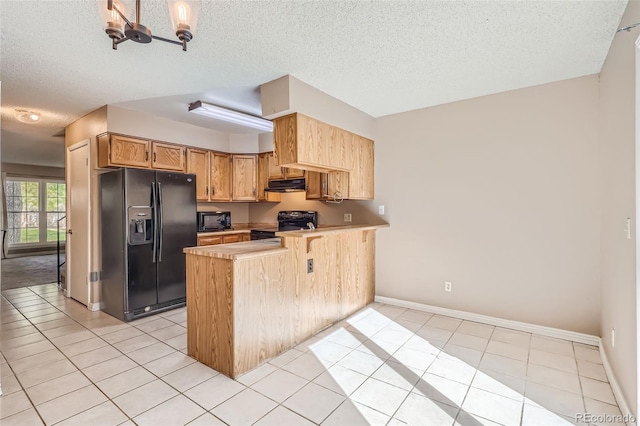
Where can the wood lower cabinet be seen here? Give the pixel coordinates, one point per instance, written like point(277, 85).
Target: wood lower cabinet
point(198, 164)
point(123, 151)
point(245, 178)
point(220, 189)
point(167, 157)
point(227, 296)
point(209, 241)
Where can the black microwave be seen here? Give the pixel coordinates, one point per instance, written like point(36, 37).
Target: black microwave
point(213, 221)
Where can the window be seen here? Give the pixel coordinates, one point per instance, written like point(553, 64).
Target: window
point(34, 207)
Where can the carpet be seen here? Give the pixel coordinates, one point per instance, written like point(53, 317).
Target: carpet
point(26, 271)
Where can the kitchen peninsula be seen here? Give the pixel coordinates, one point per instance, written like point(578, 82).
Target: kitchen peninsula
point(250, 301)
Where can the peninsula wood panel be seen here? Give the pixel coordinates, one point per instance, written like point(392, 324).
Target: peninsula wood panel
point(198, 164)
point(210, 312)
point(220, 189)
point(264, 303)
point(168, 157)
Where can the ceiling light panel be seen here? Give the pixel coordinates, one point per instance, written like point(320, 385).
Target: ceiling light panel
point(231, 116)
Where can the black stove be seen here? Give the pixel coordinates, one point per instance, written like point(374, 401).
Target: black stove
point(288, 220)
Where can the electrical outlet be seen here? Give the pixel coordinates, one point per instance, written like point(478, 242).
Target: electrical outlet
point(613, 338)
point(447, 286)
point(309, 266)
point(347, 217)
point(380, 210)
point(627, 228)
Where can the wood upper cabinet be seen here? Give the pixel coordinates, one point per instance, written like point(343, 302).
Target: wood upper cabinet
point(122, 151)
point(265, 160)
point(327, 186)
point(198, 164)
point(335, 185)
point(245, 178)
point(314, 185)
point(167, 157)
point(274, 171)
point(220, 172)
point(310, 144)
point(361, 175)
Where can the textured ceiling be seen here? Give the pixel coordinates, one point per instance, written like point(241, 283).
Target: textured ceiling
point(382, 57)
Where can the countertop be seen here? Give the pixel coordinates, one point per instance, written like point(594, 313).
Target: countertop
point(236, 251)
point(238, 228)
point(250, 249)
point(325, 230)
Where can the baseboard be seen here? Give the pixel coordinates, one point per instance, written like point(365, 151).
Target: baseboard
point(615, 388)
point(529, 328)
point(95, 306)
point(557, 333)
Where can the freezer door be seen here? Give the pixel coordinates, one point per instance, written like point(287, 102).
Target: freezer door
point(177, 229)
point(141, 266)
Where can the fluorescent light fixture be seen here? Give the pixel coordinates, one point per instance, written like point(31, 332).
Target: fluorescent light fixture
point(231, 116)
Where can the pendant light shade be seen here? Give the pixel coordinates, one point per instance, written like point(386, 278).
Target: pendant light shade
point(112, 22)
point(184, 15)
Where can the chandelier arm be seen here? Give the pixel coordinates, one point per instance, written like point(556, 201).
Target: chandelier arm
point(120, 40)
point(166, 40)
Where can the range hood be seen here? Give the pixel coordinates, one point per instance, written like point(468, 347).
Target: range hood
point(286, 185)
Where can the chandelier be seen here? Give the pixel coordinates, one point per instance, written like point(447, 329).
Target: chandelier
point(118, 26)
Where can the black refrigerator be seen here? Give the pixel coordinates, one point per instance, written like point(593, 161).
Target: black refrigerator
point(147, 218)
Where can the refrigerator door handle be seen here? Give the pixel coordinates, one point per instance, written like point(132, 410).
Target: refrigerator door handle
point(160, 222)
point(154, 205)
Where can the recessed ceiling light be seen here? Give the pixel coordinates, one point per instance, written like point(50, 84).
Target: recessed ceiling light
point(27, 116)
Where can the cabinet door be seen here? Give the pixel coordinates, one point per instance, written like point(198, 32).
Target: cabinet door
point(209, 241)
point(128, 152)
point(361, 176)
point(233, 238)
point(335, 185)
point(167, 157)
point(275, 171)
point(220, 189)
point(245, 179)
point(264, 161)
point(293, 173)
point(314, 185)
point(198, 164)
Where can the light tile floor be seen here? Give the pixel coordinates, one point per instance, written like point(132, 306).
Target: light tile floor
point(62, 364)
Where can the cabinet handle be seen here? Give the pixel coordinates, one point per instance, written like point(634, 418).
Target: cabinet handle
point(146, 156)
point(254, 192)
point(213, 191)
point(207, 191)
point(155, 157)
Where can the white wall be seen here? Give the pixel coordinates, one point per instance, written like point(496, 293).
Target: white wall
point(618, 115)
point(136, 123)
point(501, 196)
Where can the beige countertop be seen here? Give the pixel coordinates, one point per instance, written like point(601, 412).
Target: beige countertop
point(324, 230)
point(238, 228)
point(244, 250)
point(250, 249)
